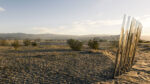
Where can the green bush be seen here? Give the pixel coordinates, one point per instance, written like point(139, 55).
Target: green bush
point(3, 43)
point(34, 44)
point(16, 44)
point(75, 44)
point(27, 42)
point(93, 44)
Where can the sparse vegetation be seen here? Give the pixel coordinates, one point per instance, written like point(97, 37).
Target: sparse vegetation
point(27, 42)
point(93, 44)
point(114, 44)
point(143, 41)
point(52, 63)
point(3, 42)
point(34, 44)
point(75, 44)
point(16, 44)
point(102, 40)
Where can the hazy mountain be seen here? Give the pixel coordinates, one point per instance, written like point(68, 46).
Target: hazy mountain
point(55, 36)
point(33, 36)
point(61, 37)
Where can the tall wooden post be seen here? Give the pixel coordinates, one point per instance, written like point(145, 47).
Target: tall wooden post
point(127, 45)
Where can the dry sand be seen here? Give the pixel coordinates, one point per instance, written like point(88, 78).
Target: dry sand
point(140, 72)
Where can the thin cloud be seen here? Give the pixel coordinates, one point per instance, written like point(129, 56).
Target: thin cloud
point(2, 9)
point(82, 27)
point(42, 30)
point(145, 19)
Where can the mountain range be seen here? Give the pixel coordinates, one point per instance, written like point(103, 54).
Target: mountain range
point(61, 37)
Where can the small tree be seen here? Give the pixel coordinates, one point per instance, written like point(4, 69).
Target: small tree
point(3, 43)
point(15, 44)
point(75, 44)
point(27, 42)
point(34, 43)
point(93, 44)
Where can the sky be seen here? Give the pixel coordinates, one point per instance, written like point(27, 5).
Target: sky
point(71, 17)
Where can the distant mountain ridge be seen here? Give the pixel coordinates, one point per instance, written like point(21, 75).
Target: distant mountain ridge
point(33, 36)
point(60, 37)
point(55, 36)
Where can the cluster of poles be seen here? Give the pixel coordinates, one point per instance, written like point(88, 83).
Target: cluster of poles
point(129, 38)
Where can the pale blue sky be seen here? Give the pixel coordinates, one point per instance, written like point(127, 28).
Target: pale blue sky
point(75, 17)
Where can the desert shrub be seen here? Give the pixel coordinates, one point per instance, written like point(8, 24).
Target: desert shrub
point(3, 42)
point(38, 40)
point(27, 42)
point(143, 41)
point(75, 44)
point(114, 44)
point(34, 44)
point(16, 44)
point(102, 40)
point(93, 44)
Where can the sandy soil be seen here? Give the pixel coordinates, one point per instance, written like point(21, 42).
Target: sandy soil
point(58, 64)
point(140, 72)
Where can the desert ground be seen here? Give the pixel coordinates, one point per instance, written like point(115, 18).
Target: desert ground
point(53, 62)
